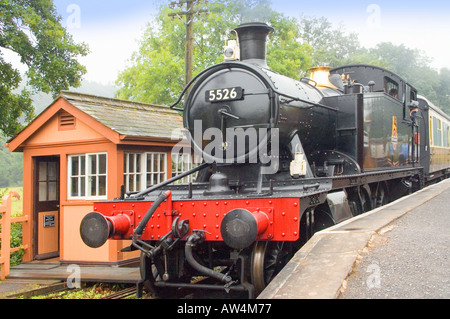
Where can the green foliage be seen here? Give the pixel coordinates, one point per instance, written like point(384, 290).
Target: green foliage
point(11, 167)
point(443, 90)
point(286, 54)
point(32, 29)
point(95, 291)
point(16, 241)
point(16, 228)
point(158, 66)
point(331, 46)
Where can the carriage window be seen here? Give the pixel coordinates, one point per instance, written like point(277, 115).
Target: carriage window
point(431, 130)
point(445, 135)
point(437, 132)
point(391, 87)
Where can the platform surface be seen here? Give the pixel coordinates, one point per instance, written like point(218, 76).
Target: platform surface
point(392, 252)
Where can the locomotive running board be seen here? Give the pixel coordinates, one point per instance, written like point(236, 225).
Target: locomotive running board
point(368, 177)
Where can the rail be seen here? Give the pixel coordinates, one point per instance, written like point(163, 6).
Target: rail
point(5, 235)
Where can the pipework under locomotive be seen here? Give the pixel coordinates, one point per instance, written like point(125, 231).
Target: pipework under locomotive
point(282, 158)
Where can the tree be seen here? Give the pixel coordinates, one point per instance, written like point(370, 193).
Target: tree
point(156, 74)
point(285, 53)
point(32, 29)
point(443, 90)
point(331, 46)
point(402, 60)
point(11, 167)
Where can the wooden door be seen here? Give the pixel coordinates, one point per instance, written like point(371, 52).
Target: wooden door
point(46, 207)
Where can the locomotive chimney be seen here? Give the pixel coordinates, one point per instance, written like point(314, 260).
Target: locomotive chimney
point(252, 42)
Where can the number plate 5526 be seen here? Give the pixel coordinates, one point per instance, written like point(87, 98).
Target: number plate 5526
point(221, 95)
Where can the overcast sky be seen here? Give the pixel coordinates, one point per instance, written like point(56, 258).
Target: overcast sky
point(112, 28)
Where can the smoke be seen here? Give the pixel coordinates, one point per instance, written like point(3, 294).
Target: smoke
point(254, 10)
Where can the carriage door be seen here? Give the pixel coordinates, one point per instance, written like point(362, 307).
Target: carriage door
point(46, 207)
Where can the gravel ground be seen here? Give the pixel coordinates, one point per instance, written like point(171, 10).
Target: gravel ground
point(410, 260)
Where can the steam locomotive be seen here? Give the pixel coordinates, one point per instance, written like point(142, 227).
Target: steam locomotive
point(282, 159)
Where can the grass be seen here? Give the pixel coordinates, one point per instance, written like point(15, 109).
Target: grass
point(95, 291)
point(17, 204)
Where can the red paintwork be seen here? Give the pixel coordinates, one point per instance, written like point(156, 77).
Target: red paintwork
point(278, 219)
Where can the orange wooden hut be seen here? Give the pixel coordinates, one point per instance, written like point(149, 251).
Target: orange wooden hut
point(82, 149)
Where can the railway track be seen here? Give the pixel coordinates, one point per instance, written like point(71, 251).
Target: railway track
point(121, 294)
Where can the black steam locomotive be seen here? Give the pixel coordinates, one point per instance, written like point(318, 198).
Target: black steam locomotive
point(282, 159)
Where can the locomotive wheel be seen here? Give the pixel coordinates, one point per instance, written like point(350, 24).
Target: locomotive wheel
point(148, 274)
point(267, 260)
point(360, 201)
point(381, 196)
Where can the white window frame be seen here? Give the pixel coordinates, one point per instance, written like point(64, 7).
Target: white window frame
point(88, 176)
point(182, 163)
point(136, 175)
point(153, 171)
point(145, 172)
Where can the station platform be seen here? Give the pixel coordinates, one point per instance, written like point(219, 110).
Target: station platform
point(397, 251)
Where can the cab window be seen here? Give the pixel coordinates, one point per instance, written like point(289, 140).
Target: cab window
point(391, 87)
